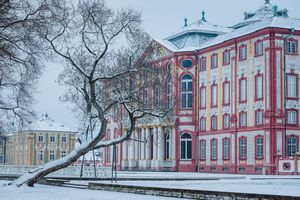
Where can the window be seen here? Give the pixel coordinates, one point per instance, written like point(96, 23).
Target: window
point(63, 139)
point(167, 146)
point(214, 60)
point(214, 122)
point(157, 94)
point(63, 154)
point(292, 145)
point(292, 117)
point(259, 150)
point(226, 120)
point(226, 57)
point(186, 146)
point(226, 148)
point(40, 138)
point(202, 97)
point(169, 91)
point(203, 64)
point(243, 148)
point(214, 95)
point(145, 96)
point(243, 119)
point(52, 138)
point(214, 149)
point(186, 63)
point(226, 93)
point(202, 150)
point(186, 91)
point(108, 154)
point(243, 52)
point(52, 155)
point(41, 155)
point(259, 87)
point(258, 48)
point(202, 124)
point(1, 143)
point(291, 46)
point(243, 90)
point(259, 117)
point(292, 86)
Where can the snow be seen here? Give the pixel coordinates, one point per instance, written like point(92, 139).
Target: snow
point(47, 124)
point(52, 193)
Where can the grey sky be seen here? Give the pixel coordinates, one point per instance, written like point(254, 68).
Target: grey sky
point(161, 18)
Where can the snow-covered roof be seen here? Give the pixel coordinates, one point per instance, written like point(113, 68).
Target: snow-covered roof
point(264, 12)
point(47, 124)
point(274, 22)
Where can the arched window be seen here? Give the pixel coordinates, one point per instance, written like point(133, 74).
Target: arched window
point(167, 146)
point(169, 87)
point(292, 145)
point(157, 94)
point(186, 146)
point(186, 91)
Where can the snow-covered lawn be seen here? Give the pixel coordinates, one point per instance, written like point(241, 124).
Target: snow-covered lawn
point(43, 192)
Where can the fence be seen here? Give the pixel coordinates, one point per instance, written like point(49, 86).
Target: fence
point(71, 171)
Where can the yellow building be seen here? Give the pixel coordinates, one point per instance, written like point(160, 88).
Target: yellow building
point(39, 143)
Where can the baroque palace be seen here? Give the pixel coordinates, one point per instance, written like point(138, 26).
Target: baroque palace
point(236, 92)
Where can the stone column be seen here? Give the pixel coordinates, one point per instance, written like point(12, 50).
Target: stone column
point(136, 146)
point(148, 144)
point(155, 143)
point(160, 143)
point(143, 144)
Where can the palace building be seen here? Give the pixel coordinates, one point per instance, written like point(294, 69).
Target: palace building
point(236, 94)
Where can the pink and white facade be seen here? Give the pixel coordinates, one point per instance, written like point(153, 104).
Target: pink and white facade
point(231, 100)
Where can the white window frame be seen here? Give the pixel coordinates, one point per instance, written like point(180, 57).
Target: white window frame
point(292, 85)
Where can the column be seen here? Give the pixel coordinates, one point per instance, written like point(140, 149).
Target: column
point(155, 143)
point(124, 151)
point(161, 142)
point(136, 154)
point(143, 144)
point(148, 144)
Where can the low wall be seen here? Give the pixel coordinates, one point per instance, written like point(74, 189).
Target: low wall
point(184, 193)
point(71, 171)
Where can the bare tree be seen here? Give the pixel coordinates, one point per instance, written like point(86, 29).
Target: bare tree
point(19, 55)
point(102, 50)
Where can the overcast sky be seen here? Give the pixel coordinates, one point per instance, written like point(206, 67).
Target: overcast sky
point(161, 18)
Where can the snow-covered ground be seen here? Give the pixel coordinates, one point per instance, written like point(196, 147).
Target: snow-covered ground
point(43, 192)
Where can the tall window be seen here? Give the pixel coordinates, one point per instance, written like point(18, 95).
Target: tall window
point(214, 95)
point(243, 148)
point(214, 60)
point(52, 155)
point(214, 122)
point(292, 145)
point(258, 48)
point(64, 139)
point(292, 117)
point(169, 91)
point(243, 119)
point(108, 154)
point(41, 155)
point(202, 123)
point(226, 148)
point(63, 154)
point(226, 57)
point(186, 91)
point(203, 64)
point(226, 120)
point(243, 90)
point(226, 93)
point(145, 96)
point(202, 150)
point(167, 146)
point(259, 117)
point(157, 94)
point(291, 85)
point(202, 97)
point(259, 147)
point(243, 52)
point(259, 87)
point(186, 146)
point(291, 46)
point(40, 138)
point(214, 149)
